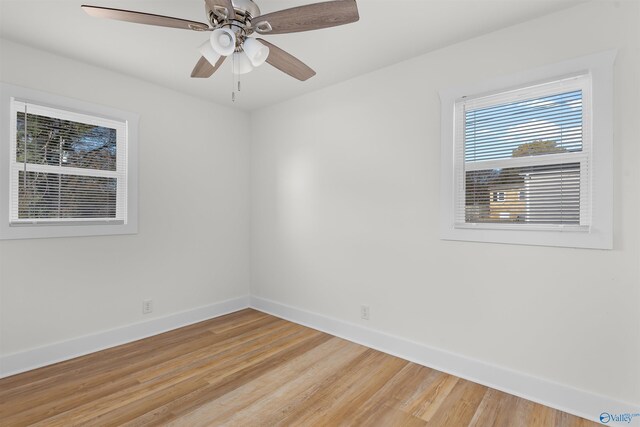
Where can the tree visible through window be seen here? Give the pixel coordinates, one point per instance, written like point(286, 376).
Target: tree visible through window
point(67, 166)
point(524, 156)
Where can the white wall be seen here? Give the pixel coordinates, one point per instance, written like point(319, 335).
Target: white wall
point(192, 248)
point(345, 211)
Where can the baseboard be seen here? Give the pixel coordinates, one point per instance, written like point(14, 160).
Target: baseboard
point(562, 397)
point(31, 359)
point(565, 398)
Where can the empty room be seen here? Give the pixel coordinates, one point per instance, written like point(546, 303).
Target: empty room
point(320, 213)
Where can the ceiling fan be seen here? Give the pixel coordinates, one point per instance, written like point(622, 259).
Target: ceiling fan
point(233, 22)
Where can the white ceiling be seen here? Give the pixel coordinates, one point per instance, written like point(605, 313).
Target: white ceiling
point(166, 56)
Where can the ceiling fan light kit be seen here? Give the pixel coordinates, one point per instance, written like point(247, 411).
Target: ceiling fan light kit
point(256, 51)
point(223, 41)
point(233, 22)
point(241, 63)
point(207, 51)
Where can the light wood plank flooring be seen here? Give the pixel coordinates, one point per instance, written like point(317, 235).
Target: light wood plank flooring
point(252, 369)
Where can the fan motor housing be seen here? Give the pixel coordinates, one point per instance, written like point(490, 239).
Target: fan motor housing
point(246, 7)
point(244, 10)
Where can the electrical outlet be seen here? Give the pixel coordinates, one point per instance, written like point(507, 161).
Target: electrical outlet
point(364, 312)
point(147, 306)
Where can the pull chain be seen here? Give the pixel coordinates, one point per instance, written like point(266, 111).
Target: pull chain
point(233, 77)
point(233, 92)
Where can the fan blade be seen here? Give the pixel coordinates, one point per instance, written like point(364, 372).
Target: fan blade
point(287, 63)
point(220, 8)
point(310, 17)
point(204, 69)
point(143, 18)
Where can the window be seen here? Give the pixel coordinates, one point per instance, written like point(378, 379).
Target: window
point(69, 167)
point(66, 167)
point(523, 157)
point(526, 158)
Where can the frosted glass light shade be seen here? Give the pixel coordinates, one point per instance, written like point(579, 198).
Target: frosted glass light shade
point(256, 51)
point(207, 51)
point(223, 41)
point(241, 63)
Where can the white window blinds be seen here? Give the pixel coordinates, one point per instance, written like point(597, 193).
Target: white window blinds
point(522, 157)
point(66, 167)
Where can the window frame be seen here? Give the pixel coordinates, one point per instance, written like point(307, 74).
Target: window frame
point(598, 234)
point(67, 227)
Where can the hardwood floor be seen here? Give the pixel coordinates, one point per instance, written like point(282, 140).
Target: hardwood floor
point(252, 369)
